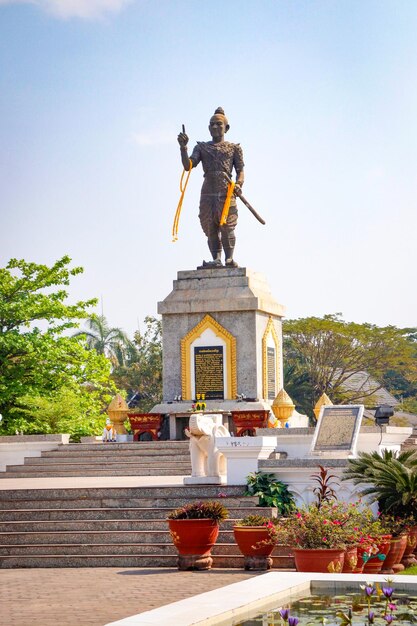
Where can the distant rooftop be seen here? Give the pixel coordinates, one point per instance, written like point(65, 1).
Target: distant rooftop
point(363, 382)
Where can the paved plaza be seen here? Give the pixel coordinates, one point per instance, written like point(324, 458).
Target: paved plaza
point(97, 596)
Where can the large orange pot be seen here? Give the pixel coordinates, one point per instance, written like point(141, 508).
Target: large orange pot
point(409, 558)
point(256, 545)
point(376, 562)
point(325, 561)
point(394, 556)
point(351, 560)
point(363, 556)
point(194, 539)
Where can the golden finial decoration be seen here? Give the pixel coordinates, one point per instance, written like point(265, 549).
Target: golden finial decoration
point(117, 412)
point(324, 400)
point(283, 407)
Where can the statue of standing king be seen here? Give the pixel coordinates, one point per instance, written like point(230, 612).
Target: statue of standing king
point(218, 158)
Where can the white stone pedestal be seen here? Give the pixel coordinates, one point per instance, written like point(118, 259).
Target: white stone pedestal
point(15, 448)
point(242, 455)
point(387, 438)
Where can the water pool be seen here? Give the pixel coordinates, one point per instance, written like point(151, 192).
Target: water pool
point(245, 600)
point(329, 610)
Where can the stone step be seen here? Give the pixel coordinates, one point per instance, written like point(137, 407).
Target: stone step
point(229, 549)
point(104, 525)
point(112, 453)
point(171, 503)
point(105, 548)
point(159, 446)
point(99, 464)
point(190, 491)
point(108, 458)
point(124, 471)
point(124, 561)
point(95, 537)
point(127, 497)
point(143, 514)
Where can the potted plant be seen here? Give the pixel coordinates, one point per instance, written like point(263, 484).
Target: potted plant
point(349, 516)
point(256, 536)
point(390, 479)
point(194, 529)
point(399, 528)
point(318, 539)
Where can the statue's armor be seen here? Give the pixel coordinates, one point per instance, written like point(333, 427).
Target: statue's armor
point(217, 159)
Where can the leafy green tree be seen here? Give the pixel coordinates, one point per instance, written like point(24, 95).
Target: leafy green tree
point(141, 373)
point(64, 411)
point(37, 356)
point(331, 352)
point(298, 386)
point(112, 342)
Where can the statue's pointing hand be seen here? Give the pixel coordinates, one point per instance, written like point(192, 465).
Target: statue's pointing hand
point(183, 138)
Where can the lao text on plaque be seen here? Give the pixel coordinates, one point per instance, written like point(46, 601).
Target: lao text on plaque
point(208, 368)
point(270, 359)
point(337, 429)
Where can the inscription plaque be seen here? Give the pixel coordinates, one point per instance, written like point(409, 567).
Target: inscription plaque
point(271, 378)
point(208, 368)
point(338, 428)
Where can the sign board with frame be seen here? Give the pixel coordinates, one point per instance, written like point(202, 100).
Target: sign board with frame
point(337, 430)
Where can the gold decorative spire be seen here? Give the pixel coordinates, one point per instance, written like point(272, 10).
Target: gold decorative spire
point(283, 407)
point(117, 411)
point(324, 400)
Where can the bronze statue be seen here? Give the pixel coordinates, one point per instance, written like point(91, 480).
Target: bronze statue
point(218, 158)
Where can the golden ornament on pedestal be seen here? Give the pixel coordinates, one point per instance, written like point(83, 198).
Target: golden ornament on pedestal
point(324, 400)
point(283, 407)
point(117, 412)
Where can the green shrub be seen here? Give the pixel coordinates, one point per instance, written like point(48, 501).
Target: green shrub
point(271, 492)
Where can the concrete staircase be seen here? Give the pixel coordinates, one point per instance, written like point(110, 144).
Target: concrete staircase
point(111, 527)
point(142, 458)
point(411, 442)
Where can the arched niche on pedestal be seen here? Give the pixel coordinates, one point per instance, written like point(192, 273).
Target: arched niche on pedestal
point(208, 334)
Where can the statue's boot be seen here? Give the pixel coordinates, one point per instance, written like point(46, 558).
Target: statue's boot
point(208, 264)
point(215, 247)
point(228, 243)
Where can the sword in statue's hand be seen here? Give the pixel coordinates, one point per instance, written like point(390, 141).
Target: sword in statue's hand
point(238, 193)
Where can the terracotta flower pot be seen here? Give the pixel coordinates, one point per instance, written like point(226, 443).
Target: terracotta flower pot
point(409, 558)
point(351, 560)
point(324, 561)
point(194, 539)
point(256, 545)
point(376, 562)
point(363, 556)
point(395, 554)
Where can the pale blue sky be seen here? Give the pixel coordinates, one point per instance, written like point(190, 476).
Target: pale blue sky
point(322, 96)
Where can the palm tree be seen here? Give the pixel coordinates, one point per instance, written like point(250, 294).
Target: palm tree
point(112, 342)
point(391, 480)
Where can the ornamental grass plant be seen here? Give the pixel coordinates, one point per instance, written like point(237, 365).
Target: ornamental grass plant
point(209, 509)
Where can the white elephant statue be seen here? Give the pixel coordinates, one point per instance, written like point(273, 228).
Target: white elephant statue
point(206, 459)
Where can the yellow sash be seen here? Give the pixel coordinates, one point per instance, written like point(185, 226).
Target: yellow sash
point(183, 187)
point(226, 206)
